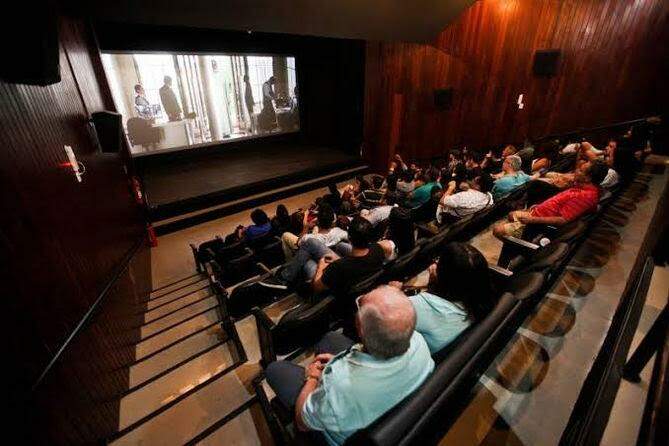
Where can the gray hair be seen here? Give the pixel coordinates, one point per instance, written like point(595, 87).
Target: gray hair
point(387, 323)
point(514, 162)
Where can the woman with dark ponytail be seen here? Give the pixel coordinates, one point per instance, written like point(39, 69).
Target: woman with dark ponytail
point(459, 294)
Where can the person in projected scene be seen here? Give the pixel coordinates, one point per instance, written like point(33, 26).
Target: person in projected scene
point(268, 95)
point(248, 98)
point(142, 104)
point(169, 100)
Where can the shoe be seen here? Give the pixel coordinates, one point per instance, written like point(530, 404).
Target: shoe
point(273, 282)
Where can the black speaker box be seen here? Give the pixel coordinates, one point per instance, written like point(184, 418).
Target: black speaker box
point(109, 128)
point(546, 62)
point(443, 98)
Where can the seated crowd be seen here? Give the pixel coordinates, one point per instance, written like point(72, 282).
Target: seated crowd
point(348, 235)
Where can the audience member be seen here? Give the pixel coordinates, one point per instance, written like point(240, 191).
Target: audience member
point(317, 263)
point(281, 221)
point(511, 177)
point(459, 294)
point(347, 387)
point(541, 161)
point(563, 207)
point(324, 230)
point(423, 193)
point(261, 226)
point(460, 204)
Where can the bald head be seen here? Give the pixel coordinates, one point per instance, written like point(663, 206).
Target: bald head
point(386, 320)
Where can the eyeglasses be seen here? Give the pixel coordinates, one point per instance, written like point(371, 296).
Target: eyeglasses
point(357, 300)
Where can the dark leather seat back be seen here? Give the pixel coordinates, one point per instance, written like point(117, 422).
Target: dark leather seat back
point(543, 259)
point(225, 253)
point(205, 250)
point(569, 232)
point(302, 325)
point(400, 268)
point(422, 414)
point(526, 286)
point(239, 269)
point(271, 254)
point(258, 243)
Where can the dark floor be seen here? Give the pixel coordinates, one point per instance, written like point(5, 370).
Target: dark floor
point(178, 181)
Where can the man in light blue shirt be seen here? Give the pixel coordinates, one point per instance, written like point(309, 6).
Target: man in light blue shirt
point(340, 394)
point(511, 178)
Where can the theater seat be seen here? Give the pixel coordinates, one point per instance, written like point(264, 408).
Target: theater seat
point(526, 286)
point(298, 328)
point(271, 254)
point(239, 269)
point(400, 269)
point(546, 258)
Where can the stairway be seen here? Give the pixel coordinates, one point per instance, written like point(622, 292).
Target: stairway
point(183, 389)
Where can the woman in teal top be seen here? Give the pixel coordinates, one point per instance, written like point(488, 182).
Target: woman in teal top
point(460, 294)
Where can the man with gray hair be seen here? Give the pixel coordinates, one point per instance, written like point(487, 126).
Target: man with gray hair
point(347, 387)
point(511, 177)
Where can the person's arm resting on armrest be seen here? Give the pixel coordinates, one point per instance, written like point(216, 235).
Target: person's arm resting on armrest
point(317, 282)
point(554, 221)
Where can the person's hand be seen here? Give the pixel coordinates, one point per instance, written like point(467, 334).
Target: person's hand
point(396, 284)
point(323, 358)
point(525, 218)
point(314, 370)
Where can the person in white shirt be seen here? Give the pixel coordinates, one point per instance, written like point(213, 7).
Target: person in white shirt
point(454, 205)
point(378, 214)
point(610, 180)
point(325, 231)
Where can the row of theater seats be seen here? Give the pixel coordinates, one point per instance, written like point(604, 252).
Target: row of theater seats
point(240, 260)
point(525, 272)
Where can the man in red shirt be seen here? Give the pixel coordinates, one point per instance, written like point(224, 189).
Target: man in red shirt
point(561, 209)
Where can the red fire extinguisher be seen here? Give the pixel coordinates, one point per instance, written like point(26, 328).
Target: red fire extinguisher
point(137, 189)
point(153, 240)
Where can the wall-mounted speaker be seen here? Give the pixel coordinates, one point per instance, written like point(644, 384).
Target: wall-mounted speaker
point(109, 129)
point(546, 62)
point(443, 98)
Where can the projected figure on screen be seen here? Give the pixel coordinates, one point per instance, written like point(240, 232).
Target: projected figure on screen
point(248, 99)
point(142, 105)
point(169, 100)
point(267, 120)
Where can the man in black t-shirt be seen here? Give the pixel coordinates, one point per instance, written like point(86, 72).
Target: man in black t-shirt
point(339, 274)
point(366, 258)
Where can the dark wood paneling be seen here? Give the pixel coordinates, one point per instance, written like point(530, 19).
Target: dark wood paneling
point(63, 240)
point(614, 60)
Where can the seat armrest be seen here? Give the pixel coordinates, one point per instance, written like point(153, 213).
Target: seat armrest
point(279, 432)
point(264, 325)
point(500, 272)
point(513, 247)
point(520, 244)
point(198, 267)
point(499, 276)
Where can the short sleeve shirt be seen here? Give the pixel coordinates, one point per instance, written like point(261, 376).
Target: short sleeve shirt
point(503, 186)
point(356, 388)
point(343, 273)
point(569, 204)
point(438, 320)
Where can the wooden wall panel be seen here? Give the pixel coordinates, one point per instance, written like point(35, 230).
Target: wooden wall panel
point(613, 69)
point(62, 241)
